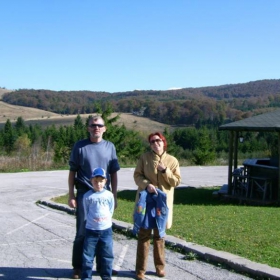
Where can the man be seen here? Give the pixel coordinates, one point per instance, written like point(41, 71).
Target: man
point(86, 155)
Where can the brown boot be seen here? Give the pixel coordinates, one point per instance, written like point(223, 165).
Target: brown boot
point(159, 253)
point(160, 273)
point(142, 254)
point(140, 276)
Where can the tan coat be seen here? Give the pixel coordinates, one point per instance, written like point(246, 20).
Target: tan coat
point(146, 173)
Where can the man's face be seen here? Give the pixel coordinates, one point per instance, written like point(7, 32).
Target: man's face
point(96, 128)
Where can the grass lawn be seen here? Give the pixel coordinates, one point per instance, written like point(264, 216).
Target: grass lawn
point(252, 232)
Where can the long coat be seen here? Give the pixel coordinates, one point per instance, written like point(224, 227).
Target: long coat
point(146, 173)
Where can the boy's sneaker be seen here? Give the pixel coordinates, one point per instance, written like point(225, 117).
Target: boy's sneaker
point(114, 272)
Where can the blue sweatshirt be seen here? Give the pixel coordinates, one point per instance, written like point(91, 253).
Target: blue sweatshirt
point(151, 212)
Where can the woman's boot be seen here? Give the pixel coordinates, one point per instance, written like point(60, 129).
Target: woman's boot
point(142, 254)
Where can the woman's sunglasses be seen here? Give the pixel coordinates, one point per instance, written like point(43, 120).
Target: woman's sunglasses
point(154, 141)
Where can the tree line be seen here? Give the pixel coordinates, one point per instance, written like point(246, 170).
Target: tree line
point(52, 144)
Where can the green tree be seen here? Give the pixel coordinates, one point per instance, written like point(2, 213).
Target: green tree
point(22, 145)
point(172, 148)
point(78, 123)
point(128, 143)
point(186, 137)
point(34, 133)
point(20, 126)
point(9, 137)
point(79, 128)
point(72, 137)
point(1, 141)
point(205, 149)
point(61, 153)
point(49, 136)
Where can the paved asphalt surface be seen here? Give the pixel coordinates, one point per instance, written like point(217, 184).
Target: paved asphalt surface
point(36, 240)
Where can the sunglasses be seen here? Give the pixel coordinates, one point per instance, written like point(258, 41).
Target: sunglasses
point(156, 140)
point(93, 125)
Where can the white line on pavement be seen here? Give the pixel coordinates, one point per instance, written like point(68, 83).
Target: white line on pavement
point(120, 259)
point(40, 241)
point(31, 222)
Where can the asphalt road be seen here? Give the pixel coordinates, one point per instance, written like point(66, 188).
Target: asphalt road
point(36, 241)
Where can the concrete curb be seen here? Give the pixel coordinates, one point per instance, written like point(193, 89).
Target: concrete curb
point(236, 262)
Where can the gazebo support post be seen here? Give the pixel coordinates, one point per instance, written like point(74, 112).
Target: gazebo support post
point(230, 162)
point(278, 193)
point(235, 151)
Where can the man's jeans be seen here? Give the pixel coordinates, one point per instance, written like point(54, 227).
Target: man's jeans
point(77, 255)
point(104, 239)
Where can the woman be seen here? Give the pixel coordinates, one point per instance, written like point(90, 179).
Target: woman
point(155, 170)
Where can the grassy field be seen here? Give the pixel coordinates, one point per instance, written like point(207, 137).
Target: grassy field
point(45, 118)
point(248, 231)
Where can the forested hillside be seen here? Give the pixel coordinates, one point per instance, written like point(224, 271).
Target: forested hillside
point(186, 106)
point(190, 119)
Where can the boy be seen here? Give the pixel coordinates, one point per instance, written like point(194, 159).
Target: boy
point(99, 208)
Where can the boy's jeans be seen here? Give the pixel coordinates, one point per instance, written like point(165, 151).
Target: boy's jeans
point(104, 239)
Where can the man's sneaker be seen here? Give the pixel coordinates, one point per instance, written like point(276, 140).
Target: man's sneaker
point(76, 273)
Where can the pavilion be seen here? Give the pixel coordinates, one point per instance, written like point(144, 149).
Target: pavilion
point(268, 122)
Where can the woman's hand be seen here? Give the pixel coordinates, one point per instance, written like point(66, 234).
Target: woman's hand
point(161, 167)
point(151, 189)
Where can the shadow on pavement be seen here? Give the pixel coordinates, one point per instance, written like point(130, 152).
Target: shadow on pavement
point(12, 273)
point(22, 273)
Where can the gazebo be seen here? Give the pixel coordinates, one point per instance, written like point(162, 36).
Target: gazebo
point(268, 122)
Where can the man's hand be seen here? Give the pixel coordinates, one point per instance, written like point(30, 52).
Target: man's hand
point(72, 202)
point(115, 201)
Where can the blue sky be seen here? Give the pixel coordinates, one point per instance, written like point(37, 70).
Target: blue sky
point(122, 45)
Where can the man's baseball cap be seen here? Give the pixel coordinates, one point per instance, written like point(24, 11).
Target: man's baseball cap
point(98, 172)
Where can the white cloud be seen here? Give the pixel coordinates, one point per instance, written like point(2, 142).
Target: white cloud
point(174, 88)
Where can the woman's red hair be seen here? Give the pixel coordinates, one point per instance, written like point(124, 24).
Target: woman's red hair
point(161, 137)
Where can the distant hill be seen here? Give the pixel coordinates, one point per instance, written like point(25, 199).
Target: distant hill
point(12, 112)
point(2, 91)
point(45, 118)
point(188, 106)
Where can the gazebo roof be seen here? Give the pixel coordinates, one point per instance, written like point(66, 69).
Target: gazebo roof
point(265, 122)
